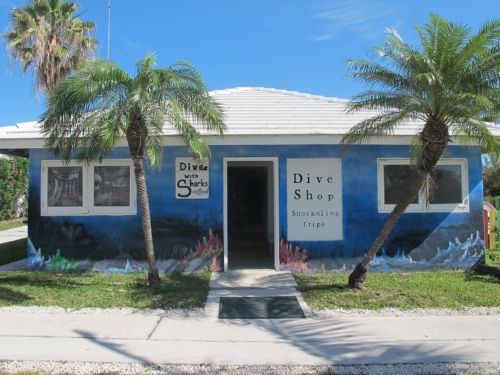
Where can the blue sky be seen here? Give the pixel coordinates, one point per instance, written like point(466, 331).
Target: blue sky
point(287, 44)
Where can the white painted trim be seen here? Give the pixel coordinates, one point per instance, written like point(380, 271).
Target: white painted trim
point(87, 208)
point(275, 164)
point(242, 139)
point(224, 220)
point(276, 183)
point(273, 138)
point(420, 206)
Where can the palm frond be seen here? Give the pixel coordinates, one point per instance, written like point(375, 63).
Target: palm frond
point(191, 136)
point(480, 43)
point(376, 75)
point(452, 78)
point(81, 106)
point(477, 131)
point(88, 111)
point(58, 40)
point(154, 121)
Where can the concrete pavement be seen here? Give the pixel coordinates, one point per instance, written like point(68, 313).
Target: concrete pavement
point(159, 340)
point(13, 234)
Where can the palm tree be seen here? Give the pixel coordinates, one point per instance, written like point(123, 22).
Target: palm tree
point(89, 111)
point(450, 83)
point(45, 35)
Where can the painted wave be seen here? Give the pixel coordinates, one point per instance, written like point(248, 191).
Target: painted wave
point(457, 255)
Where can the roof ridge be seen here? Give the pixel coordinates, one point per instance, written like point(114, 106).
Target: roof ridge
point(281, 91)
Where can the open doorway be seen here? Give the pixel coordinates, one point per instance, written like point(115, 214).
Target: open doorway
point(250, 216)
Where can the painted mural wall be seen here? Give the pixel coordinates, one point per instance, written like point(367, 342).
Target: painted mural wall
point(187, 223)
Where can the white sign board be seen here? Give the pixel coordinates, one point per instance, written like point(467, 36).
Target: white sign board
point(191, 178)
point(314, 199)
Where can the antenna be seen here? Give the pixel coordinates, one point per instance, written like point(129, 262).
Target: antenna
point(109, 25)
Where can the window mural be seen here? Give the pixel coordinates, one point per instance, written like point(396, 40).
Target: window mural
point(97, 188)
point(112, 186)
point(65, 185)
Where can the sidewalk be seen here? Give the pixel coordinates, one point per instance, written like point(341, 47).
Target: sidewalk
point(13, 234)
point(111, 336)
point(152, 339)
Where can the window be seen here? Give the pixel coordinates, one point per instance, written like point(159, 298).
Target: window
point(106, 188)
point(63, 188)
point(448, 194)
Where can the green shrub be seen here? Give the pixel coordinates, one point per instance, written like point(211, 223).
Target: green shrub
point(13, 187)
point(491, 176)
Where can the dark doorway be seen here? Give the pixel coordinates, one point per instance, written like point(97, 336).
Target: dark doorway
point(250, 203)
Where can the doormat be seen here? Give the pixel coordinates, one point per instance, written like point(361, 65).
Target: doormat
point(260, 308)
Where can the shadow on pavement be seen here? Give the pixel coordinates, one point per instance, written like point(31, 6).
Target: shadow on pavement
point(117, 348)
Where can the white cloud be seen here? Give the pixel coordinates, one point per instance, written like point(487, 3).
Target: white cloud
point(11, 4)
point(131, 46)
point(323, 37)
point(366, 18)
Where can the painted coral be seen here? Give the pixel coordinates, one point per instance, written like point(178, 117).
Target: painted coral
point(292, 257)
point(209, 247)
point(58, 263)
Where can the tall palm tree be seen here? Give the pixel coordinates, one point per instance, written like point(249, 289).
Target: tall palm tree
point(89, 111)
point(45, 35)
point(450, 83)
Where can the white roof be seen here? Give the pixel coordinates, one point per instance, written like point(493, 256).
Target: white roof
point(258, 111)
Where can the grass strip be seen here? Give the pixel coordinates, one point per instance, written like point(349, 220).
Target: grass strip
point(492, 257)
point(13, 251)
point(11, 224)
point(434, 289)
point(100, 290)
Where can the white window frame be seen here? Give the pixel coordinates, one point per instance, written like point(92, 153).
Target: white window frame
point(421, 206)
point(87, 208)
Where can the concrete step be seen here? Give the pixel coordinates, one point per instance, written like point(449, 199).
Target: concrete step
point(251, 283)
point(253, 279)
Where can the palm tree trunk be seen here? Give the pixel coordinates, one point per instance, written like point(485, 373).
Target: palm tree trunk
point(358, 275)
point(140, 178)
point(433, 140)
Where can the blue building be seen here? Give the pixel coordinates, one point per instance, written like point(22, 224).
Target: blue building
point(279, 192)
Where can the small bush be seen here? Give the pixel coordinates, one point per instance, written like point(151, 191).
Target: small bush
point(13, 187)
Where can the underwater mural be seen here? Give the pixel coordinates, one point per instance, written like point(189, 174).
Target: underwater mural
point(188, 233)
point(177, 254)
